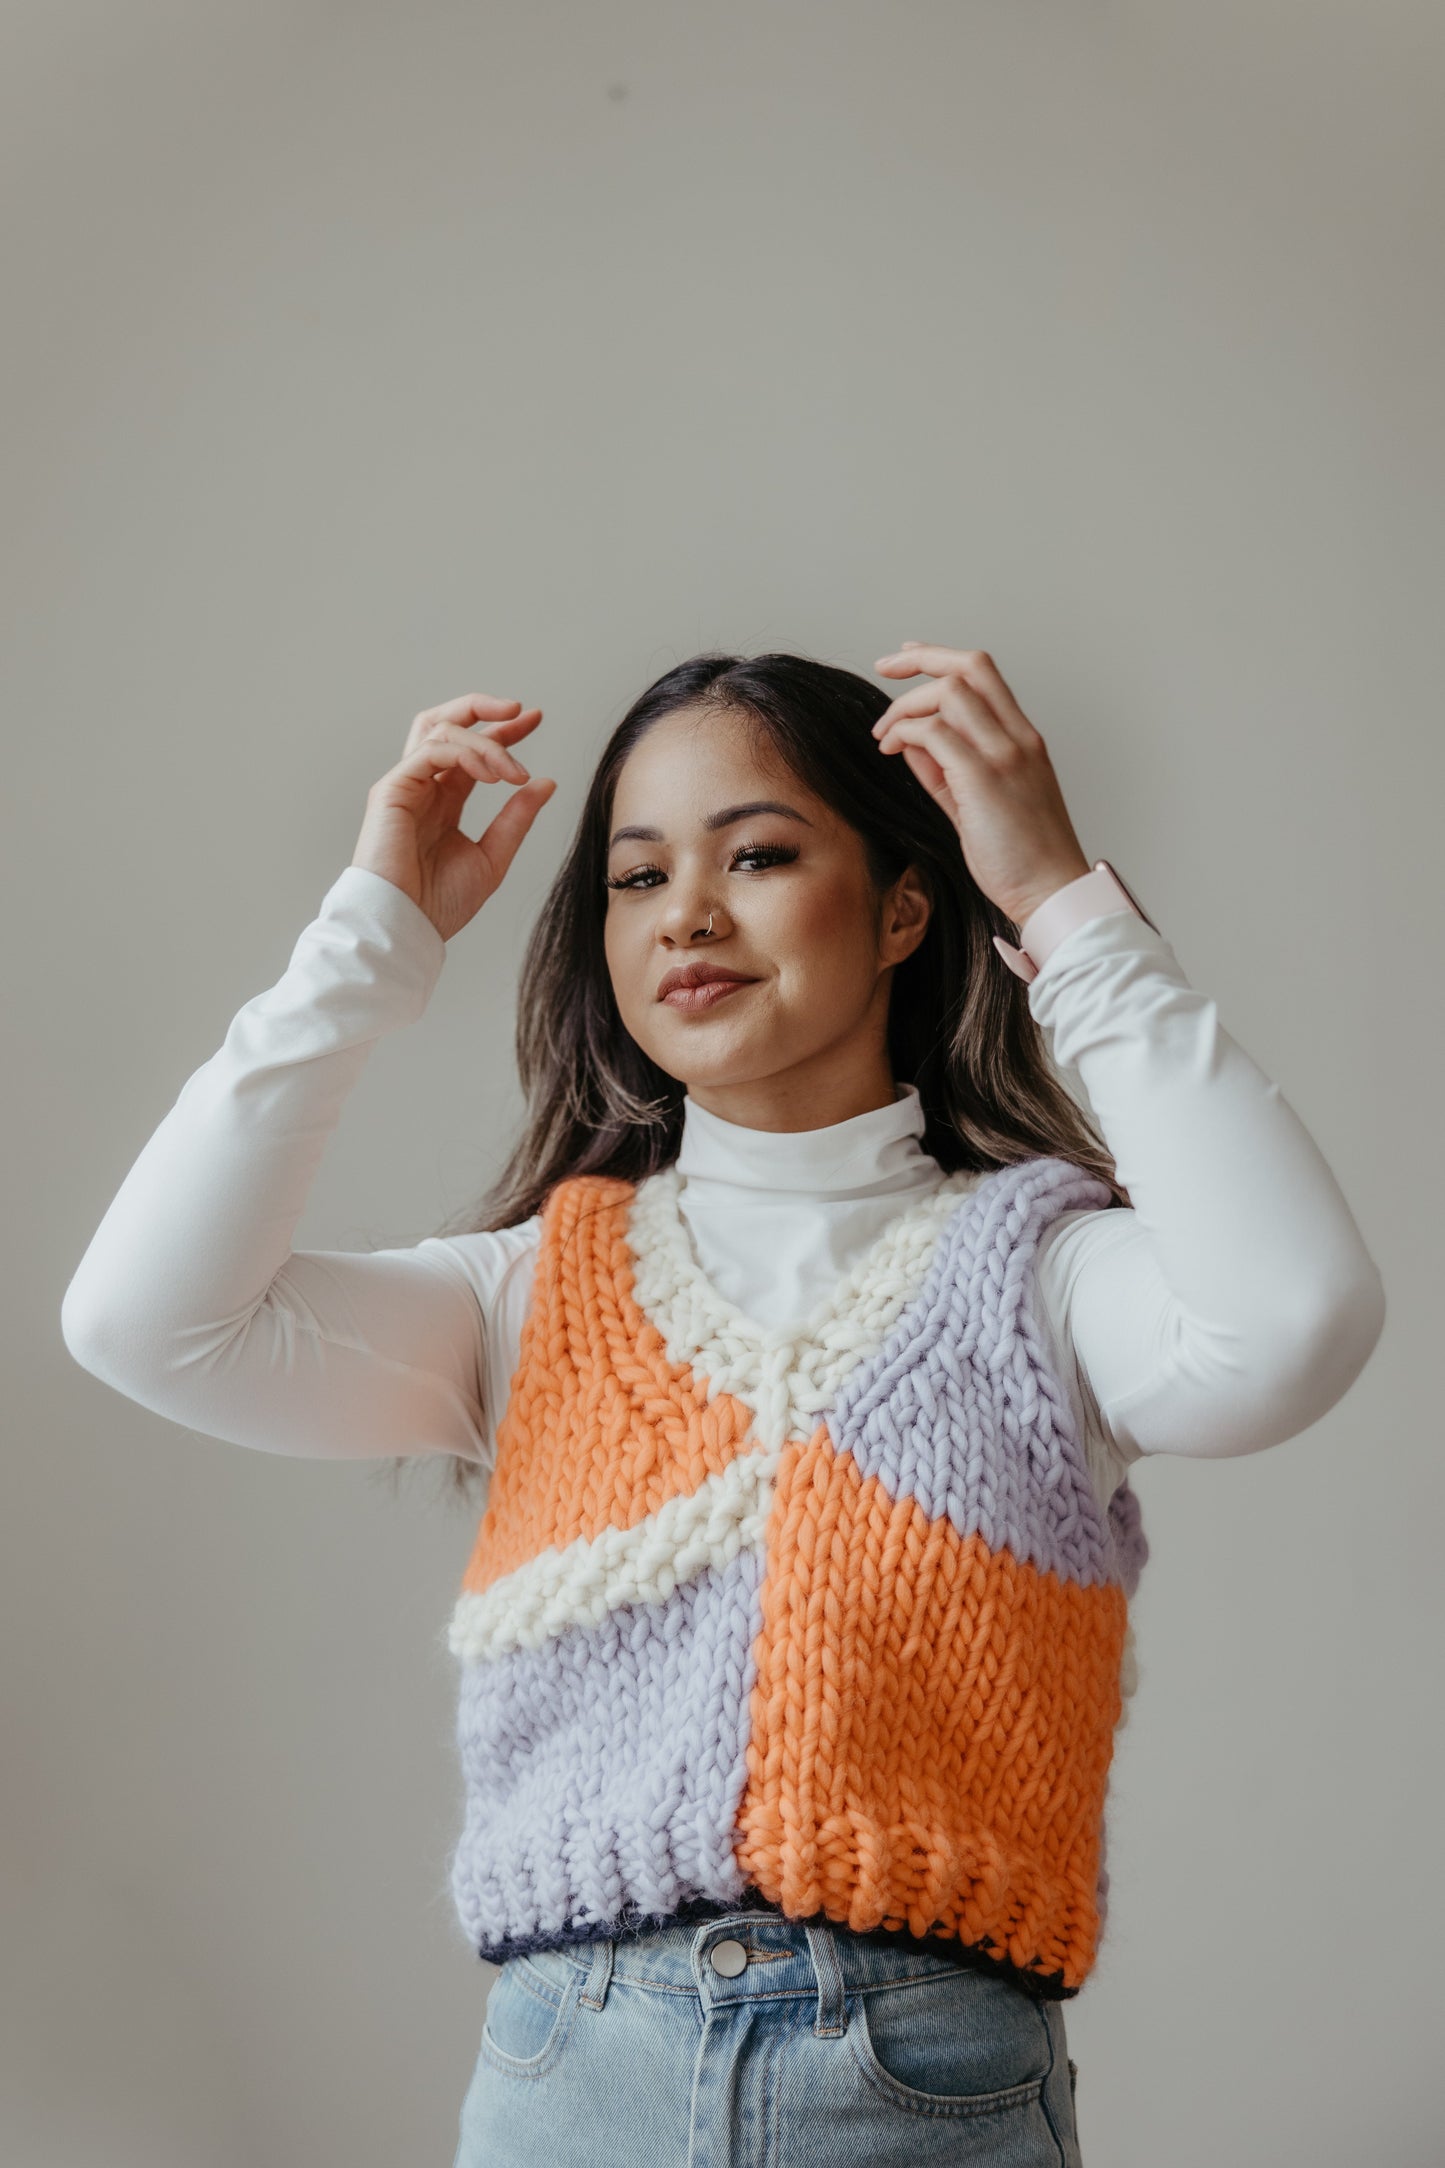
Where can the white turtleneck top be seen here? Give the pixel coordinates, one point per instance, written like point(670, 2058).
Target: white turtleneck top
point(1229, 1308)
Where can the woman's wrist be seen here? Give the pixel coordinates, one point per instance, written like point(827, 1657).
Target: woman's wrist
point(1094, 894)
point(1022, 907)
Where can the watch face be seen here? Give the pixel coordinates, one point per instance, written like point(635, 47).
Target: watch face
point(1115, 874)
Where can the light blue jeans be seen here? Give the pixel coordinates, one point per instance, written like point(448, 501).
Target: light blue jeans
point(753, 2041)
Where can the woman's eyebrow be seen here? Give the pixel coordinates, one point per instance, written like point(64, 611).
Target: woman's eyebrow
point(724, 819)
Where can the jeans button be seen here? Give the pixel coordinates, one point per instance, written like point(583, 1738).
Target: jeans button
point(728, 1957)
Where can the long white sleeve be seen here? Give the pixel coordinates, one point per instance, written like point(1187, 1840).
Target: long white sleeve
point(190, 1300)
point(1236, 1302)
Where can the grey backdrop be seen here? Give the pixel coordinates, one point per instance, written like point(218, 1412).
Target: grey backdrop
point(359, 356)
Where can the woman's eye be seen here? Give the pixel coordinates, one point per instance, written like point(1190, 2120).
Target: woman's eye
point(768, 854)
point(745, 858)
point(634, 879)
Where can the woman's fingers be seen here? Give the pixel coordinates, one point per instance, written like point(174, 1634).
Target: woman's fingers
point(974, 750)
point(448, 746)
point(505, 720)
point(931, 735)
point(411, 834)
point(974, 667)
point(931, 775)
point(959, 704)
point(500, 840)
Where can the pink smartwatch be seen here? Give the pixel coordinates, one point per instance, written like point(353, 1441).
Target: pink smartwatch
point(1092, 895)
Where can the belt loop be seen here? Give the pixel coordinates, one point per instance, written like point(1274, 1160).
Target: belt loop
point(832, 2018)
point(594, 1992)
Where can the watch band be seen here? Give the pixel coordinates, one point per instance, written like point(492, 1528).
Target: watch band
point(1096, 894)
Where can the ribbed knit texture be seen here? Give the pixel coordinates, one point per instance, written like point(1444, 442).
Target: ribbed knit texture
point(829, 1616)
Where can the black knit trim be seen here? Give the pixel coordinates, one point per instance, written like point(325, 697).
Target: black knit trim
point(631, 1925)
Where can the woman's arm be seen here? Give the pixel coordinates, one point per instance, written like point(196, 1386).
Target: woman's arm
point(190, 1299)
point(1236, 1302)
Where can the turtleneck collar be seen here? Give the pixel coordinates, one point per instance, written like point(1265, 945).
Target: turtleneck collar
point(872, 1154)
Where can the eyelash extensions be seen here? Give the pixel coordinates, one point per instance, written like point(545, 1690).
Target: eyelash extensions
point(772, 854)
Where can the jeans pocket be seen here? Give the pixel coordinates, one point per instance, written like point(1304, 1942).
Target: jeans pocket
point(958, 2041)
point(527, 2019)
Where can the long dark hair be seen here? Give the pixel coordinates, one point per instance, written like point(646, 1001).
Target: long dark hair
point(959, 1025)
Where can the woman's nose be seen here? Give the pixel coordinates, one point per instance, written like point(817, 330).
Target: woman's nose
point(687, 914)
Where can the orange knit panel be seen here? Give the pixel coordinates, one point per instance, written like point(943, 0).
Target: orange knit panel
point(931, 1725)
point(600, 1428)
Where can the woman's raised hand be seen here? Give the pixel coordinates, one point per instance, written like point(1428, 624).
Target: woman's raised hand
point(973, 749)
point(412, 832)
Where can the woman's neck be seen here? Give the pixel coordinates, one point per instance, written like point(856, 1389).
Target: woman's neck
point(878, 1153)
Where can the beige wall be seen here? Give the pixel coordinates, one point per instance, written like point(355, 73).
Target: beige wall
point(358, 356)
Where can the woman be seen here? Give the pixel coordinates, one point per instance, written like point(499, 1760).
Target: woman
point(803, 1347)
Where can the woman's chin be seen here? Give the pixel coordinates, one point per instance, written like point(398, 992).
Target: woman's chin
point(716, 1060)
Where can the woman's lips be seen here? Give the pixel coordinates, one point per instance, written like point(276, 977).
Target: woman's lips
point(693, 998)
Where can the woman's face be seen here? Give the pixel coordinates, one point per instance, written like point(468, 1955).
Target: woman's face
point(707, 819)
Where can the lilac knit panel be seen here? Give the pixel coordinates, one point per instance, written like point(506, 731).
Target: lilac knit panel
point(961, 1409)
point(603, 1769)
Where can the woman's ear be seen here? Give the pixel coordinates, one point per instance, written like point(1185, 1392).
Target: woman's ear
point(906, 912)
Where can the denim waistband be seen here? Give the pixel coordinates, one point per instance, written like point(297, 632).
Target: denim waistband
point(760, 1956)
point(897, 1947)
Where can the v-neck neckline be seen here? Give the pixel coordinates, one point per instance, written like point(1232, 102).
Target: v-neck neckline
point(786, 1376)
point(661, 1214)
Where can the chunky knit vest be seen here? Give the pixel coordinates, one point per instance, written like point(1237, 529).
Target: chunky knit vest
point(826, 1619)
